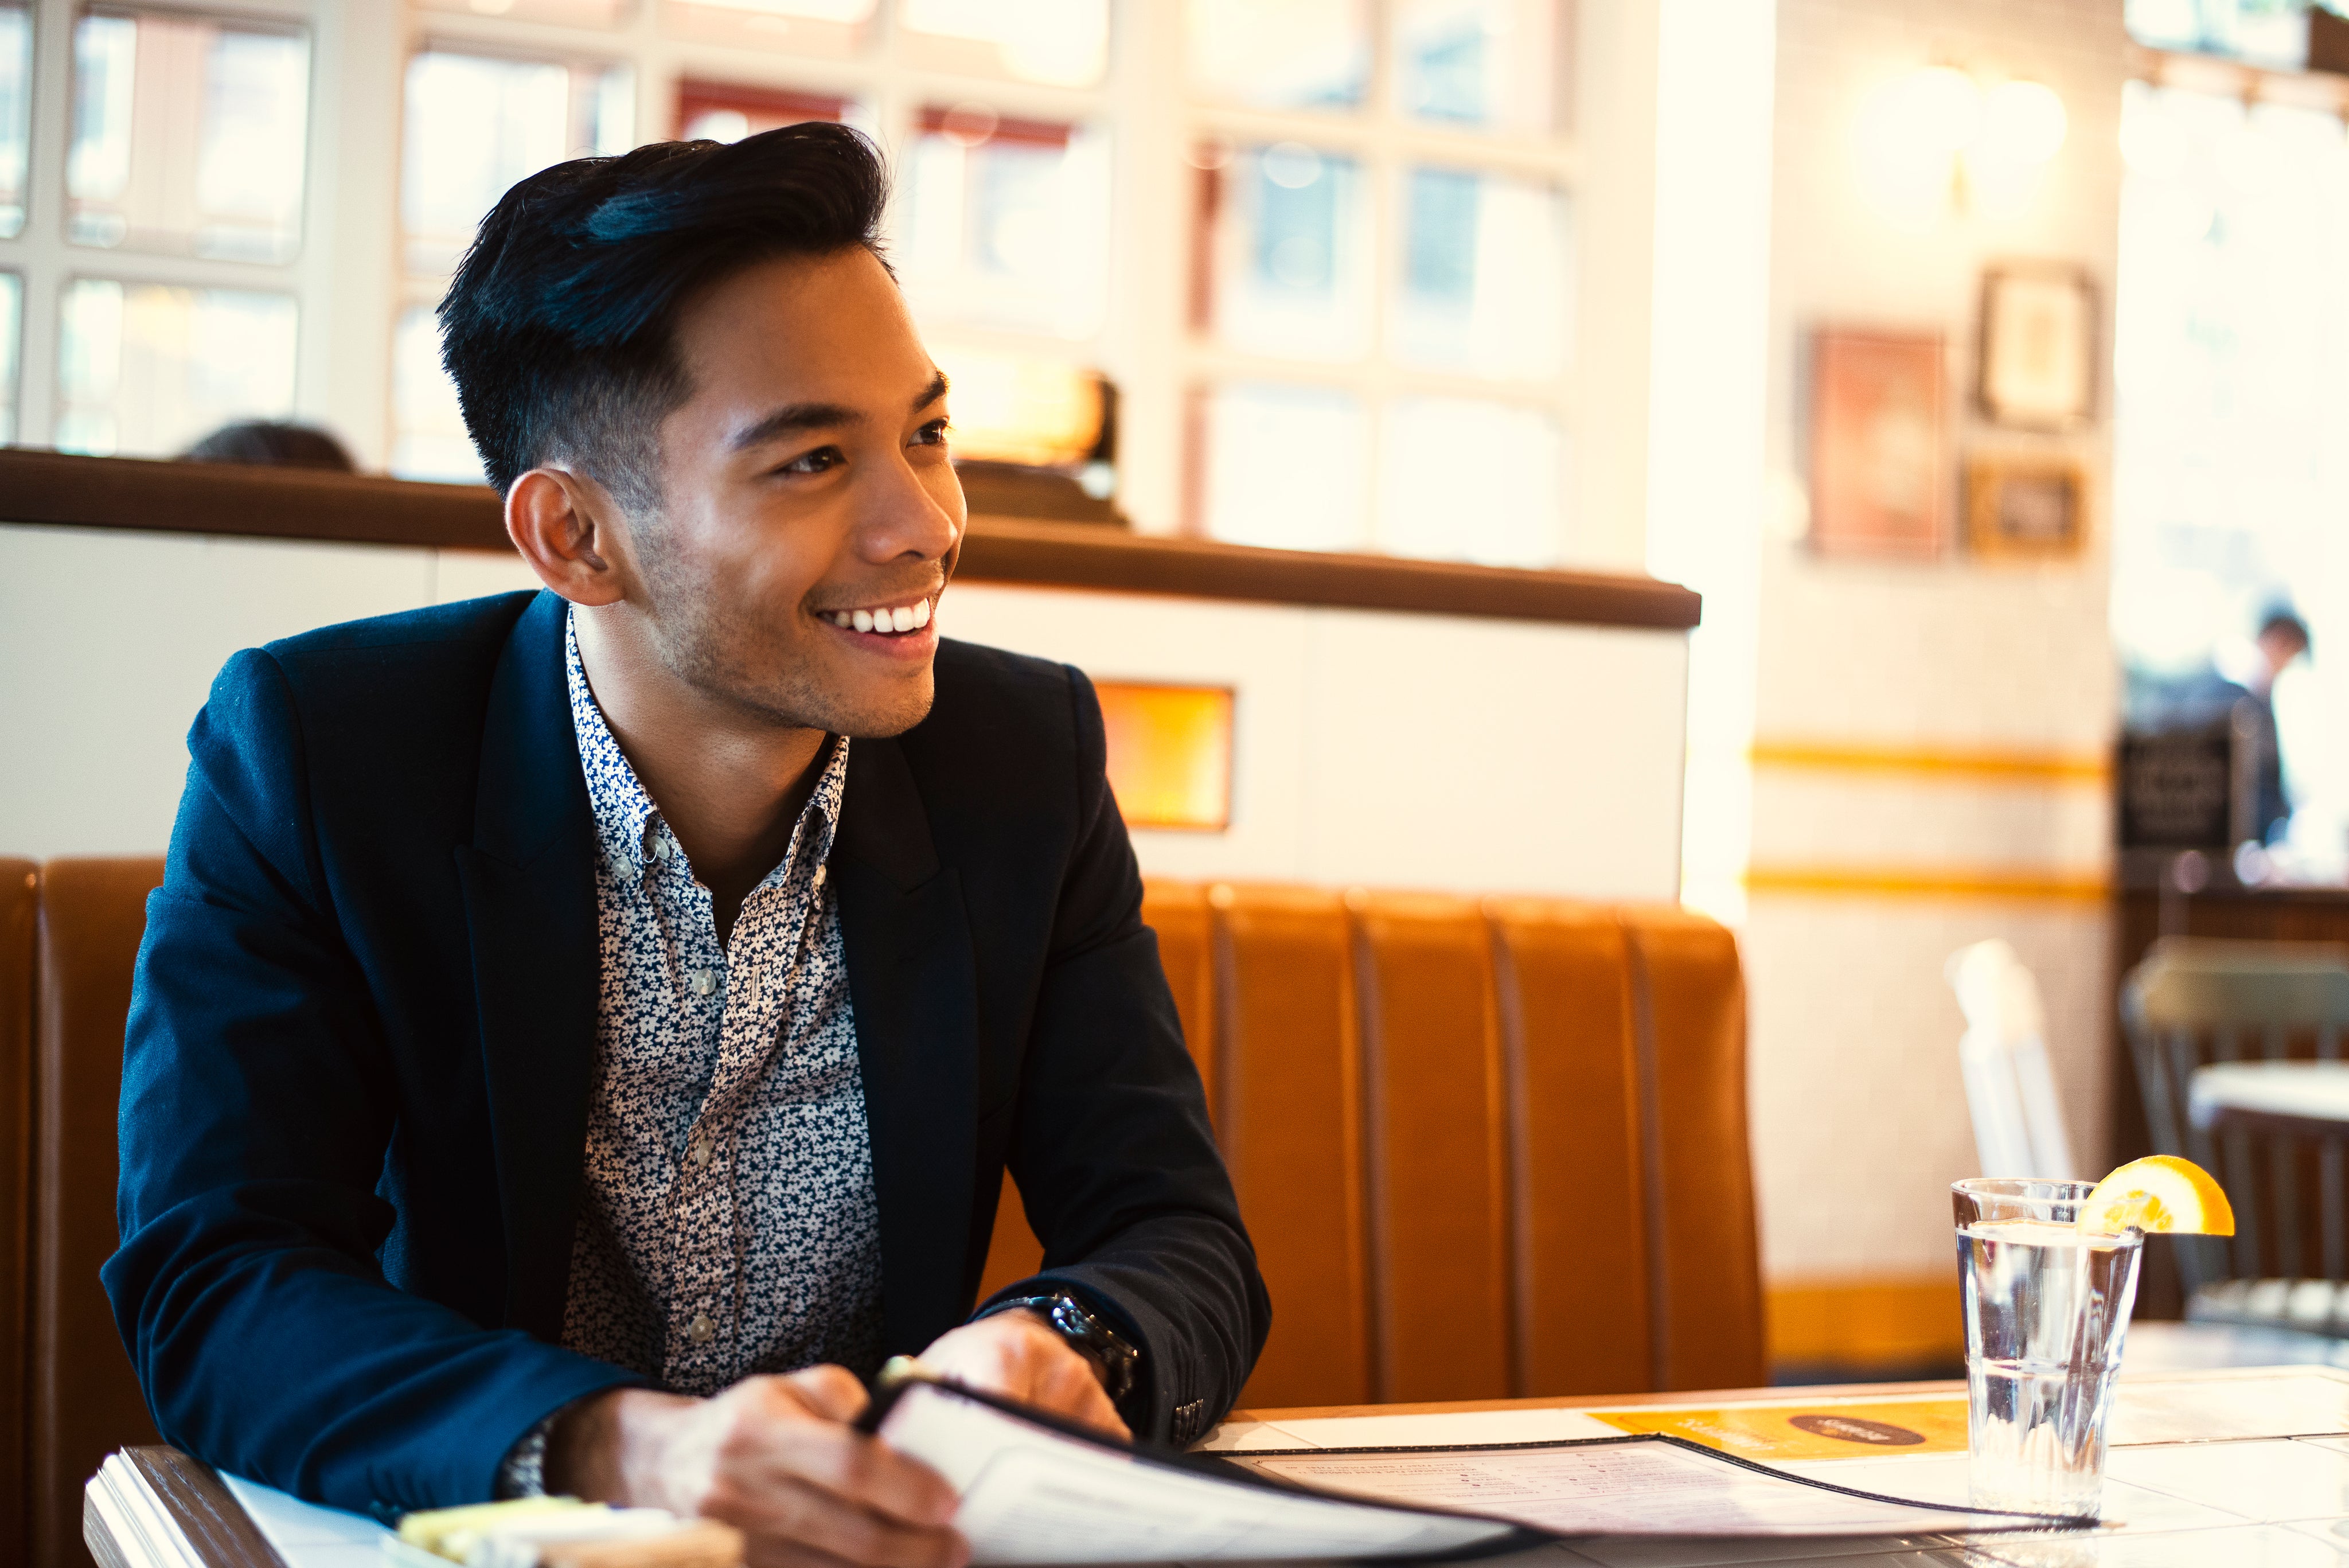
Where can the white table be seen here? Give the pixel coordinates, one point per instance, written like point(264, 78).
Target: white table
point(2310, 1098)
point(2208, 1469)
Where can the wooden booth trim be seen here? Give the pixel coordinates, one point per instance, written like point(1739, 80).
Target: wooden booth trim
point(58, 488)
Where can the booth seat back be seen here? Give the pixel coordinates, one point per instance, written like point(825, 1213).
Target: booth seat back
point(1484, 1150)
point(80, 1399)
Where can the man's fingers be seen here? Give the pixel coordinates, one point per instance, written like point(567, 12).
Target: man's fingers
point(861, 1470)
point(789, 1513)
point(830, 1392)
point(1078, 1395)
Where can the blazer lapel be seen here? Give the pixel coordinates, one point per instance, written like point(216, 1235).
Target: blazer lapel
point(913, 983)
point(529, 881)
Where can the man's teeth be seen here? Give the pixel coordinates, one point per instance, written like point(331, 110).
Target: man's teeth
point(903, 618)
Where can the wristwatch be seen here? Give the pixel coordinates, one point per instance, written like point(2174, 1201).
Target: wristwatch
point(1088, 1335)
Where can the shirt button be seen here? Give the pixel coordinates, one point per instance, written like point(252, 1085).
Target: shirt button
point(698, 1150)
point(702, 980)
point(701, 1330)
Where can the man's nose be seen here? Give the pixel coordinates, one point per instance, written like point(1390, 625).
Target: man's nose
point(902, 517)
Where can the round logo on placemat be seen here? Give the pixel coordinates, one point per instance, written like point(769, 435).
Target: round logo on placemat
point(1852, 1429)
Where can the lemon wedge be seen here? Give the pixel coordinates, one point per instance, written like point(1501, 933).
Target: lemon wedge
point(2158, 1193)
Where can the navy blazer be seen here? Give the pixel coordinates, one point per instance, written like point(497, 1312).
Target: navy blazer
point(356, 1083)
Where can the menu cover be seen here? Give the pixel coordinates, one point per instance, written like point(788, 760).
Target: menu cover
point(1036, 1490)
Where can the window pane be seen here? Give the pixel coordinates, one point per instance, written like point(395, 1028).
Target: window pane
point(1280, 54)
point(11, 336)
point(834, 29)
point(144, 369)
point(575, 12)
point(428, 438)
point(1064, 42)
point(476, 124)
point(1466, 481)
point(1005, 222)
point(722, 112)
point(15, 113)
point(1290, 247)
point(1485, 283)
point(1017, 407)
point(1479, 62)
point(1286, 467)
point(188, 136)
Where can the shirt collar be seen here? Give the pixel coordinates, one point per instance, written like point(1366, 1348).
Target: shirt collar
point(628, 825)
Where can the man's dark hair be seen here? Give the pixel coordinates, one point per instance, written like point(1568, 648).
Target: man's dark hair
point(271, 443)
point(2291, 624)
point(560, 327)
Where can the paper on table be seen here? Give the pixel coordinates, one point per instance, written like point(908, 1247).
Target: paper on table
point(1814, 1428)
point(2280, 1402)
point(1627, 1486)
point(1031, 1494)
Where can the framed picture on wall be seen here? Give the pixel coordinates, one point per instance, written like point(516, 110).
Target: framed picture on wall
point(1879, 433)
point(2027, 507)
point(2038, 346)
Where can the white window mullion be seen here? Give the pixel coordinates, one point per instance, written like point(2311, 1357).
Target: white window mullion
point(38, 253)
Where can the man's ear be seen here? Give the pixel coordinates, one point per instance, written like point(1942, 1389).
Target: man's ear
point(563, 524)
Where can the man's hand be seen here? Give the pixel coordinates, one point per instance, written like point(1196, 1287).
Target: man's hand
point(773, 1457)
point(1019, 1355)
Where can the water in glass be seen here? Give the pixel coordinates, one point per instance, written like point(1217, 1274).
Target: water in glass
point(2046, 1316)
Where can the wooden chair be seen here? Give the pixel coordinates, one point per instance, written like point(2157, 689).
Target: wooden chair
point(2198, 1002)
point(2011, 1093)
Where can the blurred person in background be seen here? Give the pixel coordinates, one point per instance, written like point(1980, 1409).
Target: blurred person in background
point(2283, 637)
point(271, 443)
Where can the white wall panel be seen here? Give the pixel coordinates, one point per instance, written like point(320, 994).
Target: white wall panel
point(1858, 1113)
point(109, 642)
point(1894, 820)
point(1387, 749)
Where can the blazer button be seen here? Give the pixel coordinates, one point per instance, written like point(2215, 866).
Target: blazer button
point(702, 980)
point(698, 1150)
point(701, 1330)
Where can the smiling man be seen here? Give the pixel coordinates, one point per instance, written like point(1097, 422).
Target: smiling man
point(581, 1034)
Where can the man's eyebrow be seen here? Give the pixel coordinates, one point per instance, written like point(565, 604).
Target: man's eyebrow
point(793, 418)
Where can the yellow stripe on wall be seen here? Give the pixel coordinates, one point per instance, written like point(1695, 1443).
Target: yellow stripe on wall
point(2027, 885)
point(2047, 767)
point(1865, 1323)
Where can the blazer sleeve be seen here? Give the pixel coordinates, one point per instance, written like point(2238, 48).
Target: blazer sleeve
point(257, 1103)
point(1112, 1146)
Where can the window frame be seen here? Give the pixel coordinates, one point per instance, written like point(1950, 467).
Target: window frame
point(350, 284)
point(48, 264)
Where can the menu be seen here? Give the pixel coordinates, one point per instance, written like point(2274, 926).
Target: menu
point(1035, 1490)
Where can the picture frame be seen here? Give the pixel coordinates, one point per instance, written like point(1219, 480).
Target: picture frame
point(1879, 444)
point(2037, 367)
point(2026, 506)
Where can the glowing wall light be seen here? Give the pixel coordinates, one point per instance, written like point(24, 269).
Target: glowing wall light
point(1933, 141)
point(1170, 753)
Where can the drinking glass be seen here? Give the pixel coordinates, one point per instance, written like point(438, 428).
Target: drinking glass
point(2046, 1312)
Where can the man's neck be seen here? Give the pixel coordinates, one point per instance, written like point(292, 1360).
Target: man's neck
point(730, 785)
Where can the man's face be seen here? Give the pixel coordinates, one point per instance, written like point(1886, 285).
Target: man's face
point(2281, 645)
point(803, 481)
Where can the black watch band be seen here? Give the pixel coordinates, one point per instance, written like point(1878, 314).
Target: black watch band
point(1087, 1334)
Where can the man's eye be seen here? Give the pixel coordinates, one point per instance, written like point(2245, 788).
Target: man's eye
point(816, 462)
point(931, 434)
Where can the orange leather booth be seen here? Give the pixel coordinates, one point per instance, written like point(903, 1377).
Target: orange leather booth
point(1484, 1150)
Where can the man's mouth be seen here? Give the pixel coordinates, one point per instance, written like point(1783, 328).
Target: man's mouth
point(886, 620)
